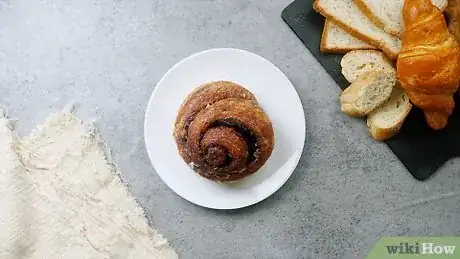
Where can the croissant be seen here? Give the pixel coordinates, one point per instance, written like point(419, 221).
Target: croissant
point(222, 132)
point(428, 66)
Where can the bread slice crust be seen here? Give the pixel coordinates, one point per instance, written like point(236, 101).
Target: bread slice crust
point(391, 29)
point(380, 132)
point(325, 45)
point(389, 51)
point(367, 93)
point(379, 60)
point(362, 5)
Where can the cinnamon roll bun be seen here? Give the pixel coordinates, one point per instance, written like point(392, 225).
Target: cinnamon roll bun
point(222, 133)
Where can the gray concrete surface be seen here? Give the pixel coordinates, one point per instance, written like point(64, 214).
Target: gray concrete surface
point(107, 56)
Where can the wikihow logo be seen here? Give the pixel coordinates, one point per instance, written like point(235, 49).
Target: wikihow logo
point(420, 247)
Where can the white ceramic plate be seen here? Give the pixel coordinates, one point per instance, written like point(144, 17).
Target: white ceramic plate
point(276, 96)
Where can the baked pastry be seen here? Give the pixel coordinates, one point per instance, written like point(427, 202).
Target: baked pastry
point(387, 120)
point(428, 66)
point(222, 133)
point(367, 92)
point(453, 15)
point(357, 62)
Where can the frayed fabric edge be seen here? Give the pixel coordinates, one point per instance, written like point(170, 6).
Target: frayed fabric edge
point(92, 131)
point(2, 112)
point(8, 122)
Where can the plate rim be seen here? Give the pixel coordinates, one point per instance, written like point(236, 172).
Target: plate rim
point(276, 187)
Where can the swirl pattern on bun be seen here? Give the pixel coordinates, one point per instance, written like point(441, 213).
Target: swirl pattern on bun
point(222, 133)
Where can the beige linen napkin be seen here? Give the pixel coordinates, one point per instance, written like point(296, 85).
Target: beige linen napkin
point(61, 198)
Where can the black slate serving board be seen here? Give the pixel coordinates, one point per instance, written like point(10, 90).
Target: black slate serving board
point(421, 149)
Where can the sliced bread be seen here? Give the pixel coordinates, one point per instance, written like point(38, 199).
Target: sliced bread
point(368, 92)
point(388, 14)
point(336, 40)
point(349, 17)
point(386, 121)
point(357, 62)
